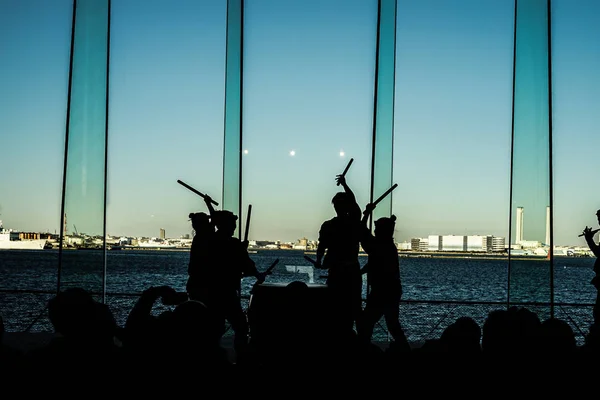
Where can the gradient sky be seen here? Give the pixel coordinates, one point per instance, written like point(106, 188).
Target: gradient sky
point(308, 88)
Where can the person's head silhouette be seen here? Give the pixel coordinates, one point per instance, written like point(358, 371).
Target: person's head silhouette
point(384, 227)
point(340, 203)
point(225, 221)
point(200, 221)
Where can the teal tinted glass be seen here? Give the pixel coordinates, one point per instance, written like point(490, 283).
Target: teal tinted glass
point(384, 109)
point(530, 179)
point(85, 158)
point(233, 109)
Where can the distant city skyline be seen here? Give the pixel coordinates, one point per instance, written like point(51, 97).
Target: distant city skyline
point(308, 109)
point(162, 234)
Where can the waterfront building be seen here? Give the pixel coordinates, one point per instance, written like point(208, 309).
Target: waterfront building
point(419, 244)
point(476, 243)
point(302, 244)
point(453, 243)
point(519, 227)
point(498, 243)
point(547, 242)
point(404, 246)
point(434, 243)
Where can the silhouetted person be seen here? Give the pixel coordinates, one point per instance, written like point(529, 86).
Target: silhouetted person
point(339, 245)
point(557, 337)
point(86, 331)
point(511, 332)
point(462, 337)
point(195, 334)
point(589, 233)
point(291, 338)
point(221, 288)
point(146, 335)
point(385, 287)
point(199, 268)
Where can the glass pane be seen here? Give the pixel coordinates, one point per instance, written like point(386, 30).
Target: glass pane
point(452, 154)
point(309, 71)
point(575, 84)
point(384, 110)
point(233, 111)
point(86, 135)
point(530, 279)
point(33, 101)
point(166, 124)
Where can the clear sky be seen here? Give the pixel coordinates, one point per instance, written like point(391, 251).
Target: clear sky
point(308, 91)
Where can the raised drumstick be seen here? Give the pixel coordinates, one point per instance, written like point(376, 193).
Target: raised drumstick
point(347, 168)
point(385, 194)
point(197, 192)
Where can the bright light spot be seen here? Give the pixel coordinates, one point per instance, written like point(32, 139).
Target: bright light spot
point(342, 154)
point(246, 151)
point(292, 153)
point(152, 216)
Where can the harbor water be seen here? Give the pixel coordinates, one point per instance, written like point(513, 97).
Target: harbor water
point(436, 290)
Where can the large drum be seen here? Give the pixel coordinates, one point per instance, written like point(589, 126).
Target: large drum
point(289, 315)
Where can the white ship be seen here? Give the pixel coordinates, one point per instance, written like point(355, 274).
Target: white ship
point(11, 240)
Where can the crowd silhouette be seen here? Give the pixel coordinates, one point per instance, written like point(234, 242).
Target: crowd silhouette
point(288, 326)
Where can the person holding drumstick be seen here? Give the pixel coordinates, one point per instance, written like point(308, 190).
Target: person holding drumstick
point(337, 251)
point(383, 268)
point(589, 233)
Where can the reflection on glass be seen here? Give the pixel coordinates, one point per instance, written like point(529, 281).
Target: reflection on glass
point(233, 110)
point(384, 108)
point(575, 85)
point(452, 147)
point(530, 177)
point(83, 219)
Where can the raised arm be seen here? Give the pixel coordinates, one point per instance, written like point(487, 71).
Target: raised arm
point(142, 310)
point(588, 233)
point(367, 213)
point(211, 209)
point(367, 240)
point(354, 208)
point(341, 180)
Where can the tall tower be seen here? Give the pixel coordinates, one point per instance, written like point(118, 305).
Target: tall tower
point(547, 225)
point(519, 233)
